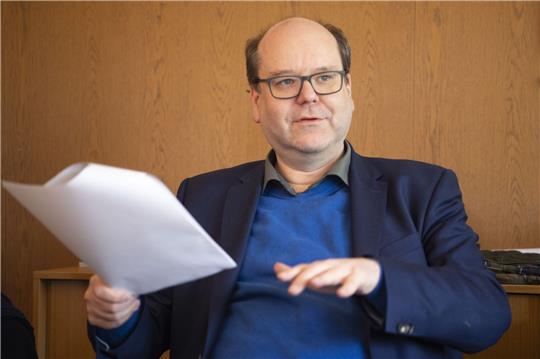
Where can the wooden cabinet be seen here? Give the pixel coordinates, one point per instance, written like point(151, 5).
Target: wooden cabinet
point(522, 340)
point(59, 315)
point(60, 318)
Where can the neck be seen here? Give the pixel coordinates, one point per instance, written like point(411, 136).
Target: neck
point(303, 174)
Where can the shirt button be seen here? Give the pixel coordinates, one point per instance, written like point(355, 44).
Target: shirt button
point(404, 328)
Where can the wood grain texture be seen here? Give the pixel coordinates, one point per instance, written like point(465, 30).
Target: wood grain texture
point(160, 87)
point(67, 273)
point(476, 111)
point(521, 340)
point(522, 289)
point(28, 152)
point(67, 320)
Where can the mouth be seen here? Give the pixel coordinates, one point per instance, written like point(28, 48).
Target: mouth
point(309, 119)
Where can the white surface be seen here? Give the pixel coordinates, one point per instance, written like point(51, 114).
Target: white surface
point(522, 250)
point(526, 250)
point(126, 225)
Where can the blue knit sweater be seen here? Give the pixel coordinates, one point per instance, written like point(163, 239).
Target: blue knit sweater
point(263, 320)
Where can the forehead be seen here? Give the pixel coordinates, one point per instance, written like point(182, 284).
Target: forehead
point(298, 47)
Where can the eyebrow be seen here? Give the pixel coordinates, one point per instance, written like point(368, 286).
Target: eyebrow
point(291, 72)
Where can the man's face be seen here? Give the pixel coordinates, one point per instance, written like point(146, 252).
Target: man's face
point(309, 123)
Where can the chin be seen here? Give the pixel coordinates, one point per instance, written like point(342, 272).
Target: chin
point(312, 146)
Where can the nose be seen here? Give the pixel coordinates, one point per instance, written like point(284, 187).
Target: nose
point(307, 93)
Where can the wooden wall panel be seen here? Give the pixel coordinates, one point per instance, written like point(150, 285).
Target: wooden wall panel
point(161, 87)
point(476, 108)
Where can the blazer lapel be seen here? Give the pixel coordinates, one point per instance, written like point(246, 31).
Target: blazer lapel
point(238, 214)
point(368, 204)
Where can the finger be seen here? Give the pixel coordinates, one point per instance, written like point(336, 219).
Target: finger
point(281, 267)
point(111, 308)
point(122, 315)
point(306, 274)
point(113, 295)
point(331, 277)
point(286, 273)
point(111, 319)
point(102, 291)
point(106, 306)
point(103, 323)
point(351, 284)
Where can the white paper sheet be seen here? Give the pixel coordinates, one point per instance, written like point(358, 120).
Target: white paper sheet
point(126, 225)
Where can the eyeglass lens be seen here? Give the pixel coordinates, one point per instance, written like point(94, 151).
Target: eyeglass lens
point(290, 86)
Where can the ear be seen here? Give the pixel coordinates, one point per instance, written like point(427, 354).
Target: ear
point(348, 88)
point(255, 96)
point(348, 84)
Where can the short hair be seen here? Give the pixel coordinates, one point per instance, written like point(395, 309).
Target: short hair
point(252, 45)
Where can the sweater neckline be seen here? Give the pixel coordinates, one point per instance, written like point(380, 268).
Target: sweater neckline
point(330, 185)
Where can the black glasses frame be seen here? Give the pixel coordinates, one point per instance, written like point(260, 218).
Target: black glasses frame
point(307, 78)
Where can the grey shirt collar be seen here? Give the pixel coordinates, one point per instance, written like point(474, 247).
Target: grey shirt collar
point(339, 169)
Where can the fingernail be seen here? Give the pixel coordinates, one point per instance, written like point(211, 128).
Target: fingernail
point(295, 290)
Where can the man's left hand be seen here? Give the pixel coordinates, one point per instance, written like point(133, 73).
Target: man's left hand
point(344, 276)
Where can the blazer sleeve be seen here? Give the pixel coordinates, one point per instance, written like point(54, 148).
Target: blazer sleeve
point(452, 299)
point(151, 336)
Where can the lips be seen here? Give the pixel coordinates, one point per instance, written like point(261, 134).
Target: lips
point(309, 119)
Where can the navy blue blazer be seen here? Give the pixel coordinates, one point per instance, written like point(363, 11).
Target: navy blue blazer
point(441, 300)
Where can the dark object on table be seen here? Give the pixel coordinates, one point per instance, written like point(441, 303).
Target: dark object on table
point(513, 267)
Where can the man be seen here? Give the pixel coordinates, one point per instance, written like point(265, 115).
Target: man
point(18, 340)
point(339, 255)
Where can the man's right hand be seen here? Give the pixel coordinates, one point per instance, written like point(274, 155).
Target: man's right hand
point(108, 307)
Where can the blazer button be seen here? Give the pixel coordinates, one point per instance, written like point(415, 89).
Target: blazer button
point(404, 328)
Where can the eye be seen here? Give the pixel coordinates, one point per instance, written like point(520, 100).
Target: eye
point(284, 82)
point(326, 77)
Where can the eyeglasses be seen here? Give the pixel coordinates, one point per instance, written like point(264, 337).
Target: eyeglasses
point(323, 83)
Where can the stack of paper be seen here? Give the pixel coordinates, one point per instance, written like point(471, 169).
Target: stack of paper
point(126, 225)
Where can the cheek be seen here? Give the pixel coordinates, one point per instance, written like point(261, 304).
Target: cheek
point(349, 109)
point(273, 113)
point(341, 110)
point(347, 116)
